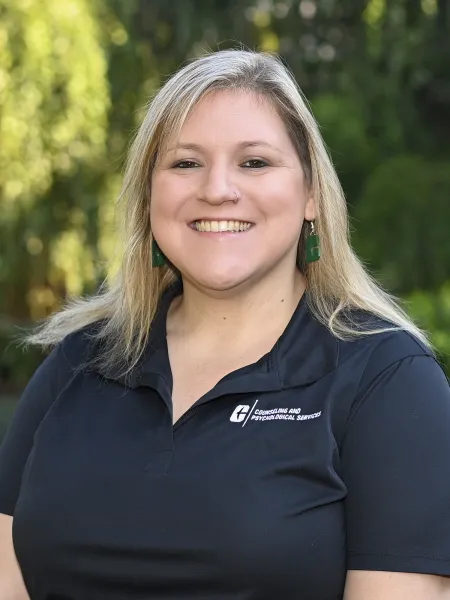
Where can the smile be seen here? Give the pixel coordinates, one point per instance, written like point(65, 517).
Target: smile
point(221, 226)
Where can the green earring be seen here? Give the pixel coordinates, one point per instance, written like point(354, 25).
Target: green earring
point(158, 258)
point(312, 245)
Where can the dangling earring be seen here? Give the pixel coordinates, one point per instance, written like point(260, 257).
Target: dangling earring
point(312, 245)
point(158, 258)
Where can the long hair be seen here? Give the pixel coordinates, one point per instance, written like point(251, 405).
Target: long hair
point(126, 306)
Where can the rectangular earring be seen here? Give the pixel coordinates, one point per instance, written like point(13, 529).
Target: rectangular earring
point(312, 245)
point(158, 258)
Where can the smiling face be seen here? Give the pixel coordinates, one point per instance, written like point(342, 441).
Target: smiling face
point(229, 196)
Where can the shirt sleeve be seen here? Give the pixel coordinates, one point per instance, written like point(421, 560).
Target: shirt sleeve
point(16, 446)
point(396, 466)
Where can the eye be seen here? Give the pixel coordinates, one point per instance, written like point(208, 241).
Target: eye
point(185, 164)
point(255, 163)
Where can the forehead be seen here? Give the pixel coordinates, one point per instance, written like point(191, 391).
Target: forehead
point(231, 116)
point(231, 102)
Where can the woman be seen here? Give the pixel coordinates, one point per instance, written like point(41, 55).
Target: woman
point(243, 413)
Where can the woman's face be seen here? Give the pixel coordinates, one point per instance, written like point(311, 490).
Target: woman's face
point(229, 196)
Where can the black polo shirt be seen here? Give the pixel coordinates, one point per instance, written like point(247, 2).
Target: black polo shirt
point(322, 456)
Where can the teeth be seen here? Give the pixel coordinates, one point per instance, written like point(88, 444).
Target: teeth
point(222, 226)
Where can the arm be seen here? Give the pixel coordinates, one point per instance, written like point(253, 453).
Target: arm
point(14, 451)
point(12, 586)
point(379, 585)
point(395, 462)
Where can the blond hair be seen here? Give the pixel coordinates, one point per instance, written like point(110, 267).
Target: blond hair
point(125, 308)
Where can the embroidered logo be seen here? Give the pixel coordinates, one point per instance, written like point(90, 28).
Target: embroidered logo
point(239, 413)
point(243, 413)
point(283, 414)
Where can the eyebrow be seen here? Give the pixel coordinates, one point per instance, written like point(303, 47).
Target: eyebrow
point(241, 146)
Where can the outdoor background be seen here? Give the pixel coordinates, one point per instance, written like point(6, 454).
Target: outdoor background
point(75, 75)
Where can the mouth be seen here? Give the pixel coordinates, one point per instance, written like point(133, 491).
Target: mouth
point(221, 226)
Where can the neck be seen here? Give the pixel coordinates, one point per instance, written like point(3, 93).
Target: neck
point(239, 315)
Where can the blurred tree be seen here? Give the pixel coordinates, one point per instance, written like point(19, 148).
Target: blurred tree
point(343, 123)
point(54, 100)
point(75, 76)
point(432, 310)
point(402, 223)
point(385, 61)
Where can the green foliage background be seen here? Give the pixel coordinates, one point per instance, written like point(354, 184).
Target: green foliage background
point(75, 74)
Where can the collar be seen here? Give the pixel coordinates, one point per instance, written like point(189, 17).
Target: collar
point(304, 353)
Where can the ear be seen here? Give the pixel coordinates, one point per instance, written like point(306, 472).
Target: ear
point(310, 209)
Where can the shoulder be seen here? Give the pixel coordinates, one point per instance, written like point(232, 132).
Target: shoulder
point(64, 361)
point(78, 348)
point(54, 374)
point(311, 351)
point(383, 349)
point(380, 340)
point(391, 377)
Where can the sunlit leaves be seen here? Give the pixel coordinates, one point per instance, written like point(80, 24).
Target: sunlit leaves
point(71, 261)
point(54, 103)
point(374, 12)
point(376, 72)
point(53, 95)
point(429, 7)
point(269, 42)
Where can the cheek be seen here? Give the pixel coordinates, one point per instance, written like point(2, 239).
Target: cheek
point(284, 201)
point(166, 196)
point(166, 210)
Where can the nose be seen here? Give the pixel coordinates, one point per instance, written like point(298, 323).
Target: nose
point(217, 186)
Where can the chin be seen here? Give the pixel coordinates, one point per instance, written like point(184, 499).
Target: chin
point(221, 281)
